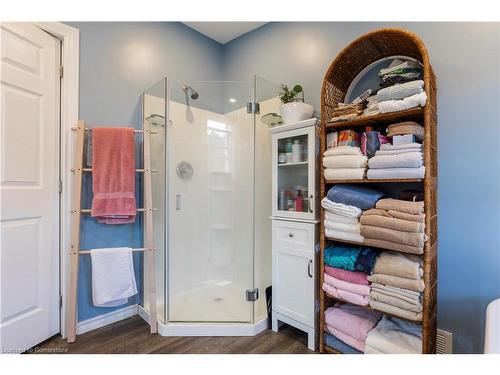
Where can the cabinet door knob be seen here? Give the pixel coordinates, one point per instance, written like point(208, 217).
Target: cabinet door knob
point(309, 268)
point(290, 234)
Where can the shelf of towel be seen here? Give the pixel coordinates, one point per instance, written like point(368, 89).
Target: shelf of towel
point(414, 114)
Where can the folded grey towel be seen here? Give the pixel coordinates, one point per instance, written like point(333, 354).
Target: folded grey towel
point(400, 91)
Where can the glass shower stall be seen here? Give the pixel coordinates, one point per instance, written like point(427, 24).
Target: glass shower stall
point(211, 156)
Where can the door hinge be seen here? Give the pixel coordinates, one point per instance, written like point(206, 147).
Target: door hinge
point(61, 71)
point(60, 186)
point(60, 301)
point(253, 295)
point(253, 108)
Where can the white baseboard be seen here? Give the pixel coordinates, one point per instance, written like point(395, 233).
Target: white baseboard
point(105, 319)
point(207, 329)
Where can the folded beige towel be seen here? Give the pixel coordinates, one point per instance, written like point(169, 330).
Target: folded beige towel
point(396, 311)
point(420, 218)
point(394, 301)
point(406, 127)
point(397, 264)
point(400, 205)
point(400, 282)
point(392, 223)
point(397, 236)
point(399, 293)
point(393, 246)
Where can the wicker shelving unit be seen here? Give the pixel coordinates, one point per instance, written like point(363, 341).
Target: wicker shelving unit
point(348, 64)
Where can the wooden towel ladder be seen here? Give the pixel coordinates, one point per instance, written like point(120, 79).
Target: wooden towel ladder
point(76, 211)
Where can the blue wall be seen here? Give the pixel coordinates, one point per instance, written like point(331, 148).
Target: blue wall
point(465, 57)
point(118, 61)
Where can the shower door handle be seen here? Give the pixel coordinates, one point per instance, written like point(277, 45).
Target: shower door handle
point(309, 273)
point(177, 202)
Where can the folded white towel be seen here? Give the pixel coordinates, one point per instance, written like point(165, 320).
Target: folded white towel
point(406, 160)
point(340, 209)
point(330, 233)
point(330, 216)
point(395, 173)
point(343, 227)
point(394, 336)
point(417, 100)
point(396, 152)
point(344, 174)
point(343, 150)
point(113, 278)
point(390, 147)
point(345, 161)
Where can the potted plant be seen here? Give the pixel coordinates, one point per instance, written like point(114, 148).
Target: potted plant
point(293, 108)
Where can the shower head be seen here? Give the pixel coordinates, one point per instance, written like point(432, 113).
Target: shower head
point(188, 90)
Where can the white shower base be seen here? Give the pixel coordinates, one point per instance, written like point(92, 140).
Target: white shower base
point(216, 309)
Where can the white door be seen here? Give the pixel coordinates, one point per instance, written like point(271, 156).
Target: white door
point(29, 186)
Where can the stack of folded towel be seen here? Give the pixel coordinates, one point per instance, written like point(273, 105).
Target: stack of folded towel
point(341, 221)
point(344, 163)
point(346, 112)
point(397, 161)
point(395, 225)
point(397, 285)
point(343, 206)
point(349, 286)
point(400, 72)
point(346, 273)
point(401, 97)
point(394, 336)
point(371, 106)
point(351, 324)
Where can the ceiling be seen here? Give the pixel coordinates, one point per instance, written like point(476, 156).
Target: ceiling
point(224, 32)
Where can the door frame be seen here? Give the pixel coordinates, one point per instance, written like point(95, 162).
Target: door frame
point(70, 55)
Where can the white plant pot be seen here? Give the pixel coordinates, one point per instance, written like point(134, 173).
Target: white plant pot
point(296, 111)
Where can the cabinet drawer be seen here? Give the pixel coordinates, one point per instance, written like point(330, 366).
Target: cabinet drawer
point(292, 235)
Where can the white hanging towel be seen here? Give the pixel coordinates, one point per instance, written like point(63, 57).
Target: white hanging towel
point(113, 278)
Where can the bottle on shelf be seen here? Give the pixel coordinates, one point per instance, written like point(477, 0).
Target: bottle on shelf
point(296, 151)
point(288, 150)
point(299, 206)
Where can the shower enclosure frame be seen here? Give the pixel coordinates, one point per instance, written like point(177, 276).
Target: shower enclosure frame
point(165, 326)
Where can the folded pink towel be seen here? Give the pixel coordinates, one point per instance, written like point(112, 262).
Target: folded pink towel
point(349, 276)
point(363, 290)
point(113, 175)
point(351, 341)
point(346, 296)
point(355, 321)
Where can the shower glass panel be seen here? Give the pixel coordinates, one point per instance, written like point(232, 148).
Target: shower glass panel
point(210, 202)
point(154, 112)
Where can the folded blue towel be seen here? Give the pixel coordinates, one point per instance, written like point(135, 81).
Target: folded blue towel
point(355, 195)
point(339, 345)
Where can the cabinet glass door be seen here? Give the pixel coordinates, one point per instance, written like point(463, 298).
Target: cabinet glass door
point(294, 174)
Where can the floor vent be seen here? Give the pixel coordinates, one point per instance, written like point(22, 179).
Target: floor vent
point(444, 342)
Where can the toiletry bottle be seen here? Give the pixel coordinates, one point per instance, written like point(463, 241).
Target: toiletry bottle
point(296, 151)
point(299, 202)
point(289, 146)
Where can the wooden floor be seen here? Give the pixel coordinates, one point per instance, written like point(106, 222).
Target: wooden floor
point(132, 336)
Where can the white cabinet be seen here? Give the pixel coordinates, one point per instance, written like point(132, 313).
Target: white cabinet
point(295, 229)
point(294, 170)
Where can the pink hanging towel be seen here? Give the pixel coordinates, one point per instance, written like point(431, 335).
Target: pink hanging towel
point(113, 166)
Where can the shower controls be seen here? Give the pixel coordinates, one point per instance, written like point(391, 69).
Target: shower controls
point(184, 170)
